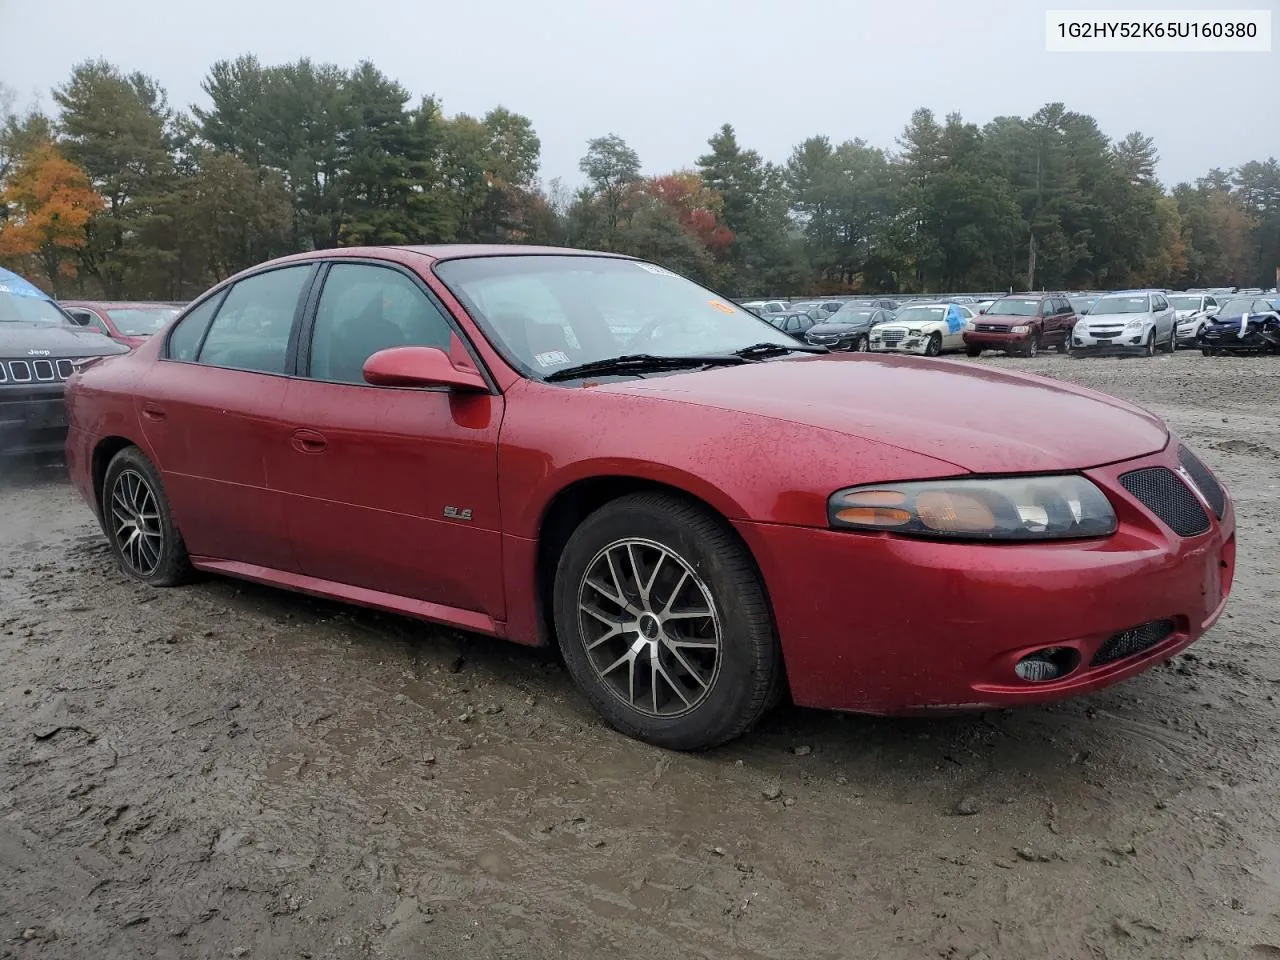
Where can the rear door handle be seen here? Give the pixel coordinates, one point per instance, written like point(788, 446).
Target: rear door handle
point(153, 411)
point(308, 441)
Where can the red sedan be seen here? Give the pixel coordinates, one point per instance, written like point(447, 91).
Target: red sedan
point(128, 323)
point(558, 447)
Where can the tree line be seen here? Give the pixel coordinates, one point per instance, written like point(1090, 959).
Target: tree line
point(116, 193)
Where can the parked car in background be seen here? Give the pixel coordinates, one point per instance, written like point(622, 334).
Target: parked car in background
point(926, 328)
point(793, 322)
point(1242, 325)
point(1191, 312)
point(455, 434)
point(39, 349)
point(764, 307)
point(849, 328)
point(128, 322)
point(1138, 322)
point(1022, 324)
point(1082, 303)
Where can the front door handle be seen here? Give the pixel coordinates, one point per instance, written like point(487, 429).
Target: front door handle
point(308, 441)
point(153, 411)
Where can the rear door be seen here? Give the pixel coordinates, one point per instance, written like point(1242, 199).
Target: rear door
point(393, 490)
point(211, 412)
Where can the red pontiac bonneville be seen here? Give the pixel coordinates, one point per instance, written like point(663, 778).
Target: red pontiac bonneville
point(554, 446)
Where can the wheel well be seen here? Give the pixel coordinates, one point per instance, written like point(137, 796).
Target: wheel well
point(574, 504)
point(106, 449)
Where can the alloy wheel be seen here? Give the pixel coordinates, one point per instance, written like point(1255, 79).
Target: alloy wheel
point(649, 627)
point(135, 523)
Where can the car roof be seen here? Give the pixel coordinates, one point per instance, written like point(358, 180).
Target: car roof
point(117, 303)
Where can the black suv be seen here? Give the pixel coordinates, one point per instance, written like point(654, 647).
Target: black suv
point(39, 345)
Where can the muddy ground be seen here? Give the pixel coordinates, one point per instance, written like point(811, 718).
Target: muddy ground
point(225, 770)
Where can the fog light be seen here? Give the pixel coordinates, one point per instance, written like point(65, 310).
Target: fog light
point(1052, 663)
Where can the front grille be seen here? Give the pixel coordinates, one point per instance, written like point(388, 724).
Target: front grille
point(1131, 641)
point(992, 328)
point(893, 337)
point(1204, 480)
point(36, 371)
point(1162, 492)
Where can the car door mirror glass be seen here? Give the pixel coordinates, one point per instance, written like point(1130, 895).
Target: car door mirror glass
point(419, 367)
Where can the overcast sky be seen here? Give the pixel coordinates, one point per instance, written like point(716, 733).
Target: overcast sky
point(664, 74)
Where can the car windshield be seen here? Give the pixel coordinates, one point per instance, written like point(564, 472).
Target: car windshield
point(547, 312)
point(1120, 305)
point(850, 315)
point(920, 314)
point(1187, 303)
point(140, 321)
point(1014, 308)
point(1236, 308)
point(21, 308)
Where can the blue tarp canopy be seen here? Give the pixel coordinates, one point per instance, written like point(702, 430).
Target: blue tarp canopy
point(13, 284)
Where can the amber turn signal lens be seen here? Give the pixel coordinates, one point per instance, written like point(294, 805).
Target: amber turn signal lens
point(874, 516)
point(950, 512)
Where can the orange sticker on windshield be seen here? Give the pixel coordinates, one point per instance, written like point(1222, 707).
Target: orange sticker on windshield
point(721, 306)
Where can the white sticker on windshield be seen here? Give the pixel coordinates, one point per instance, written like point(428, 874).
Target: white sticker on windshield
point(654, 268)
point(551, 358)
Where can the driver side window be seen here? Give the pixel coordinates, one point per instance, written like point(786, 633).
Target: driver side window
point(364, 309)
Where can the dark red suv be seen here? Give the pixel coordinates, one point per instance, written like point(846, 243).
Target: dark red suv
point(1022, 323)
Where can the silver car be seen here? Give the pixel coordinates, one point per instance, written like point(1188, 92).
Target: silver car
point(1140, 321)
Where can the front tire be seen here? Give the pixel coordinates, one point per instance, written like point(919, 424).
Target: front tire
point(1032, 349)
point(934, 346)
point(973, 351)
point(1149, 348)
point(663, 622)
point(139, 524)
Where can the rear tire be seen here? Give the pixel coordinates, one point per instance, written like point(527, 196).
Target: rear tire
point(1064, 347)
point(1172, 345)
point(139, 524)
point(629, 593)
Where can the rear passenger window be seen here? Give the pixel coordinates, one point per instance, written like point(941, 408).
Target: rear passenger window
point(251, 330)
point(364, 309)
point(186, 336)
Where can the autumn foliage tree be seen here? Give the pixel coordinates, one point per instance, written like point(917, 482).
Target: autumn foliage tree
point(49, 201)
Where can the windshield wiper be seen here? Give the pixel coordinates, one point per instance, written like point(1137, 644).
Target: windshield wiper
point(641, 363)
point(757, 350)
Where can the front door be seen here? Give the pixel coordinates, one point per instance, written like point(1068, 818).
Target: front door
point(388, 489)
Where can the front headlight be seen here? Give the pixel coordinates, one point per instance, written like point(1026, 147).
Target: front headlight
point(1020, 328)
point(1134, 324)
point(970, 325)
point(1008, 509)
point(914, 331)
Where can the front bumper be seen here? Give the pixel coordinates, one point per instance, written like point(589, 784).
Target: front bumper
point(1254, 341)
point(1188, 337)
point(32, 418)
point(908, 344)
point(995, 340)
point(878, 624)
point(1126, 341)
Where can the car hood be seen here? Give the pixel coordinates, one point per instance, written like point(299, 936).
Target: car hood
point(19, 339)
point(977, 418)
point(841, 326)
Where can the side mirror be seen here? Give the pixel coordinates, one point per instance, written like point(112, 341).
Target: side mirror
point(419, 367)
point(982, 309)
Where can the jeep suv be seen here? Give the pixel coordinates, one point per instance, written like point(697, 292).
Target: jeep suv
point(39, 349)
